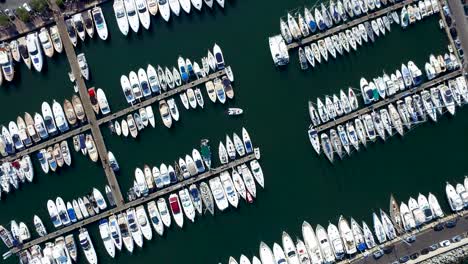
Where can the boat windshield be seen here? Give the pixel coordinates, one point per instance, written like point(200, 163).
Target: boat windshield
point(98, 18)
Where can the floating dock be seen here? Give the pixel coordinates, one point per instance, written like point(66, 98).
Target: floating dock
point(46, 143)
point(86, 101)
point(386, 101)
point(134, 203)
point(152, 100)
point(349, 24)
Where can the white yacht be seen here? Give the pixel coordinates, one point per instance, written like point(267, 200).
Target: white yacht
point(100, 23)
point(176, 209)
point(218, 193)
point(87, 246)
point(7, 64)
point(83, 65)
point(143, 13)
point(164, 9)
point(132, 15)
point(121, 16)
point(106, 236)
point(186, 6)
point(46, 42)
point(35, 51)
point(143, 222)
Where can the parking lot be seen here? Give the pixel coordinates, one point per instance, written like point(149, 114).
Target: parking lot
point(425, 242)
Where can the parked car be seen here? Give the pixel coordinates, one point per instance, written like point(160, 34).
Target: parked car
point(404, 259)
point(388, 249)
point(439, 227)
point(378, 254)
point(411, 239)
point(433, 247)
point(414, 256)
point(450, 223)
point(456, 239)
point(425, 251)
point(444, 243)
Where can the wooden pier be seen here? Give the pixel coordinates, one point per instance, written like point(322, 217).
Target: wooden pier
point(152, 100)
point(46, 143)
point(388, 100)
point(122, 207)
point(349, 24)
point(86, 101)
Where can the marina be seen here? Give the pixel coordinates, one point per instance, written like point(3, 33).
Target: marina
point(265, 96)
point(134, 203)
point(385, 102)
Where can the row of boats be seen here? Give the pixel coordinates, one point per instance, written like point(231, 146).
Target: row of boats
point(150, 179)
point(145, 83)
point(322, 18)
point(15, 172)
point(409, 111)
point(29, 131)
point(54, 157)
point(61, 214)
point(64, 214)
point(82, 24)
point(345, 41)
point(379, 88)
point(135, 225)
point(348, 238)
point(131, 13)
point(30, 48)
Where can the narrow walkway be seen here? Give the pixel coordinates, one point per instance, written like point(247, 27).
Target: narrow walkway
point(348, 25)
point(90, 115)
point(135, 203)
point(152, 100)
point(387, 101)
point(46, 143)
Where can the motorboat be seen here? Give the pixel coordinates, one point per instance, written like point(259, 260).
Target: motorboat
point(83, 65)
point(379, 229)
point(124, 231)
point(100, 22)
point(418, 214)
point(176, 209)
point(143, 222)
point(35, 52)
point(155, 217)
point(407, 217)
point(132, 15)
point(102, 101)
point(173, 109)
point(164, 9)
point(121, 16)
point(127, 89)
point(229, 189)
point(218, 193)
point(347, 236)
point(143, 13)
point(187, 205)
point(388, 226)
point(219, 89)
point(289, 249)
point(106, 237)
point(312, 244)
point(46, 42)
point(78, 23)
point(59, 115)
point(165, 114)
point(143, 81)
point(164, 212)
point(186, 6)
point(133, 226)
point(207, 197)
point(266, 255)
point(325, 244)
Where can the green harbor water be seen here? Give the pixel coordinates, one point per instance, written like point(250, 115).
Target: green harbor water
point(299, 185)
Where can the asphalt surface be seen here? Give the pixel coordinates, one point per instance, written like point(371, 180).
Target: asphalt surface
point(424, 239)
point(461, 24)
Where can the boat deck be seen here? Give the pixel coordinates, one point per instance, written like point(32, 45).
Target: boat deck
point(388, 100)
point(152, 100)
point(90, 115)
point(347, 25)
point(134, 203)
